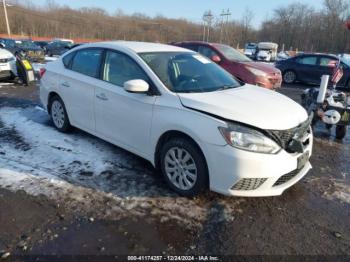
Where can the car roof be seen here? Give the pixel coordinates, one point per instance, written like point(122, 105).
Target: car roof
point(138, 47)
point(196, 43)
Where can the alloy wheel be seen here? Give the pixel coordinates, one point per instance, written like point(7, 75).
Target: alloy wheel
point(289, 77)
point(180, 168)
point(57, 113)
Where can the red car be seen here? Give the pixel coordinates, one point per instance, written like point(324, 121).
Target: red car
point(237, 64)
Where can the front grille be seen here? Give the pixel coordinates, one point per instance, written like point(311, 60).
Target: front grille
point(284, 137)
point(249, 183)
point(285, 178)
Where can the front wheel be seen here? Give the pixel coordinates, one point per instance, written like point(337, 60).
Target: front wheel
point(340, 132)
point(184, 167)
point(289, 77)
point(59, 114)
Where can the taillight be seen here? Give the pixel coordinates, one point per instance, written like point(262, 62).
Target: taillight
point(42, 72)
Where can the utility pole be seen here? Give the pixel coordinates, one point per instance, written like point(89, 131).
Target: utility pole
point(207, 18)
point(6, 19)
point(224, 16)
point(204, 30)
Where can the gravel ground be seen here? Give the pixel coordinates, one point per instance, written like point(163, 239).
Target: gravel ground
point(89, 198)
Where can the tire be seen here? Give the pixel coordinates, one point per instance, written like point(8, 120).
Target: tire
point(59, 115)
point(340, 132)
point(289, 77)
point(184, 167)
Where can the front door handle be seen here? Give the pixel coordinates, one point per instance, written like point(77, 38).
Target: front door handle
point(102, 96)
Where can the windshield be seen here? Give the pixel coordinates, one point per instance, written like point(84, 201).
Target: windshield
point(232, 54)
point(26, 44)
point(188, 72)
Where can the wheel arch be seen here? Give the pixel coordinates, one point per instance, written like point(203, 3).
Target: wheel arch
point(170, 134)
point(290, 70)
point(51, 95)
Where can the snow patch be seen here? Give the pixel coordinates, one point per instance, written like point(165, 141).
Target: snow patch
point(342, 192)
point(76, 162)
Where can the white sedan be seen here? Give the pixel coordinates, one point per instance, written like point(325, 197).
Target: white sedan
point(8, 69)
point(182, 112)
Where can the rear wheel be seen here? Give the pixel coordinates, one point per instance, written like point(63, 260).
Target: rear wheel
point(340, 132)
point(59, 114)
point(289, 77)
point(184, 167)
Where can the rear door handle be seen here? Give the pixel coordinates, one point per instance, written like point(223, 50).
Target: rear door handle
point(102, 96)
point(65, 84)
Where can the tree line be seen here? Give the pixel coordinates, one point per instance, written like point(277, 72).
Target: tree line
point(295, 26)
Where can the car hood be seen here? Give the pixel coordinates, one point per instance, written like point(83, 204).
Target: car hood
point(261, 66)
point(251, 105)
point(5, 54)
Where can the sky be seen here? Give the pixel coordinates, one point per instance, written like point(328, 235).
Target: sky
point(189, 9)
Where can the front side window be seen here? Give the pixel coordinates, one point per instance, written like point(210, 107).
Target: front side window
point(67, 59)
point(87, 62)
point(184, 72)
point(308, 60)
point(120, 68)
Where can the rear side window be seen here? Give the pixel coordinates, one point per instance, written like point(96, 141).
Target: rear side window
point(67, 59)
point(120, 68)
point(87, 62)
point(308, 60)
point(328, 61)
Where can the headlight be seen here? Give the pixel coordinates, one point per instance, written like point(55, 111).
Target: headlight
point(257, 72)
point(248, 139)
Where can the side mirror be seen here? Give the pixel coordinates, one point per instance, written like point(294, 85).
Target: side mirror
point(2, 45)
point(216, 59)
point(136, 86)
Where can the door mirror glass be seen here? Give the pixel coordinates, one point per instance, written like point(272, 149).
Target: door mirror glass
point(216, 59)
point(136, 86)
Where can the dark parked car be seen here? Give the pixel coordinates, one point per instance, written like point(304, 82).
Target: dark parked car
point(309, 68)
point(237, 64)
point(24, 48)
point(58, 48)
point(42, 44)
